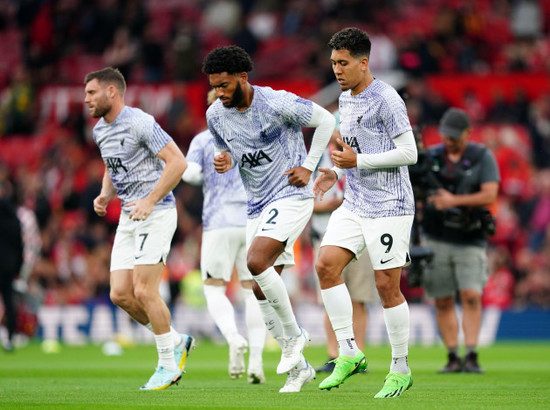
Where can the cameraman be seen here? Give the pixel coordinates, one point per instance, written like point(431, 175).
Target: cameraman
point(465, 179)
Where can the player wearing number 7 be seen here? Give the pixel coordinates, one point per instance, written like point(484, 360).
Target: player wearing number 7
point(377, 212)
point(142, 166)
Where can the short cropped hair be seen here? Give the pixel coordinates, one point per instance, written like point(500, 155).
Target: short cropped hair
point(108, 75)
point(356, 41)
point(227, 59)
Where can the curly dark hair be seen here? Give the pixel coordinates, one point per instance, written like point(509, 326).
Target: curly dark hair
point(227, 59)
point(108, 75)
point(356, 41)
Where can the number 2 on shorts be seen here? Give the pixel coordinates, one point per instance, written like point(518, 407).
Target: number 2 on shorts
point(271, 220)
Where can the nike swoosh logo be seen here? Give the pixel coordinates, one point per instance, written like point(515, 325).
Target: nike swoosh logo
point(229, 140)
point(386, 261)
point(137, 257)
point(267, 229)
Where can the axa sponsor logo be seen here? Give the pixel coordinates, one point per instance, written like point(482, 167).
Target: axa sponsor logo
point(255, 159)
point(114, 165)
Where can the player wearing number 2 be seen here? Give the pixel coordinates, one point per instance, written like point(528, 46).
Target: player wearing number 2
point(377, 211)
point(142, 166)
point(259, 129)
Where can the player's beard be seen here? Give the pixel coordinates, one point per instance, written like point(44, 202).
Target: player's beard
point(101, 109)
point(237, 97)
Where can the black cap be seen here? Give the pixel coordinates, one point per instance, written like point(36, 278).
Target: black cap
point(453, 123)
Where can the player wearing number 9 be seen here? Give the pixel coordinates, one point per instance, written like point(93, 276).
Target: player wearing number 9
point(377, 145)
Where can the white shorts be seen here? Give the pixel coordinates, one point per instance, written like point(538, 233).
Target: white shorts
point(283, 220)
point(222, 249)
point(386, 239)
point(143, 242)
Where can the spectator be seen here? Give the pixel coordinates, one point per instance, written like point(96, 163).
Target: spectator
point(122, 53)
point(152, 56)
point(11, 257)
point(18, 108)
point(540, 219)
point(539, 127)
point(499, 290)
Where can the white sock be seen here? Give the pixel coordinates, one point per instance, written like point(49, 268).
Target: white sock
point(273, 325)
point(220, 308)
point(274, 289)
point(397, 325)
point(348, 347)
point(254, 325)
point(176, 337)
point(339, 309)
point(165, 349)
point(271, 320)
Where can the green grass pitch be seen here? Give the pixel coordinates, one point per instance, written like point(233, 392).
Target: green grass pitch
point(517, 376)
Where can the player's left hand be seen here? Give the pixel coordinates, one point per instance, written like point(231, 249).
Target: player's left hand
point(142, 209)
point(442, 199)
point(298, 176)
point(347, 158)
point(222, 162)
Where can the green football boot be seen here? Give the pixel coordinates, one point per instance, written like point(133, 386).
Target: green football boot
point(395, 384)
point(345, 367)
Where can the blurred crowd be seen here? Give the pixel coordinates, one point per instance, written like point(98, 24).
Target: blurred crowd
point(165, 40)
point(45, 42)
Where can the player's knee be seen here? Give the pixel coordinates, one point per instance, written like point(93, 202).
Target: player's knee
point(255, 265)
point(321, 268)
point(121, 299)
point(386, 288)
point(328, 275)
